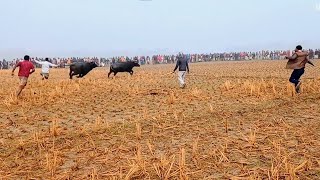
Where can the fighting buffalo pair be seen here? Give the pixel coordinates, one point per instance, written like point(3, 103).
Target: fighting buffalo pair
point(83, 68)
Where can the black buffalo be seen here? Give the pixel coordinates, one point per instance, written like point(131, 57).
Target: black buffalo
point(123, 67)
point(81, 68)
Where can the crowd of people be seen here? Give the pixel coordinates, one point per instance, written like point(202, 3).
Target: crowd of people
point(167, 59)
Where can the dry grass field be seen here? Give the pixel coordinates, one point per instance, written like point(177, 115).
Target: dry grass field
point(234, 120)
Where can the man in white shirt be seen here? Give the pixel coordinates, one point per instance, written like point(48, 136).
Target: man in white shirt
point(45, 67)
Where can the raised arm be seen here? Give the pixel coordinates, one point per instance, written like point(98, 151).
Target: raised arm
point(38, 62)
point(293, 57)
point(53, 65)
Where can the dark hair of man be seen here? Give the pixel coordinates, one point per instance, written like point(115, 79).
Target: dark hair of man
point(299, 47)
point(26, 58)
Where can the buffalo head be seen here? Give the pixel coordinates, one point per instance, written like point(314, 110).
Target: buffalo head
point(93, 65)
point(136, 64)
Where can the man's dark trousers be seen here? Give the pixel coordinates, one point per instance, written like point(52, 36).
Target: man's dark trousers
point(295, 76)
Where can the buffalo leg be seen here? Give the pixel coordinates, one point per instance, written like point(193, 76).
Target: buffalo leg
point(71, 74)
point(109, 74)
point(131, 73)
point(115, 73)
point(82, 75)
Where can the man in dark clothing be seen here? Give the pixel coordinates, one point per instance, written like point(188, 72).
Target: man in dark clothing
point(297, 62)
point(182, 63)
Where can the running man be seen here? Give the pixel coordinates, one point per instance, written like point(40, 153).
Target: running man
point(297, 62)
point(182, 63)
point(45, 67)
point(25, 69)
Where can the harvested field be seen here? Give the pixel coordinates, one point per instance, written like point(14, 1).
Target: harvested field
point(234, 120)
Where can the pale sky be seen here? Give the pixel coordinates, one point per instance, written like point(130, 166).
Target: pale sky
point(132, 27)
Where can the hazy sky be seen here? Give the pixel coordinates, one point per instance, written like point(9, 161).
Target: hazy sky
point(116, 27)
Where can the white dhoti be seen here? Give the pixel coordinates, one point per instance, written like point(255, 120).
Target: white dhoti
point(181, 78)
